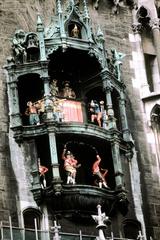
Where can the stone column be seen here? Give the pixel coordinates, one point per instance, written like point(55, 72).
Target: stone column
point(47, 95)
point(124, 122)
point(138, 58)
point(40, 30)
point(54, 162)
point(154, 24)
point(117, 164)
point(14, 111)
point(107, 88)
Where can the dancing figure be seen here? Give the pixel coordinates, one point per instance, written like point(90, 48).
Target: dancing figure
point(99, 172)
point(70, 166)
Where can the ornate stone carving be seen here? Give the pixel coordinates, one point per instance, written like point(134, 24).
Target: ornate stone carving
point(137, 27)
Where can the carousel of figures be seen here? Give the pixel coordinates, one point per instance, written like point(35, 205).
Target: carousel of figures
point(70, 165)
point(42, 172)
point(95, 112)
point(99, 173)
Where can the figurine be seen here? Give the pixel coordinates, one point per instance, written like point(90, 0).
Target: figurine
point(54, 88)
point(117, 62)
point(99, 172)
point(32, 112)
point(18, 46)
point(42, 171)
point(96, 115)
point(70, 165)
point(75, 32)
point(67, 92)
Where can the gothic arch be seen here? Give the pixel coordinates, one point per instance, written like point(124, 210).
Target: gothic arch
point(29, 216)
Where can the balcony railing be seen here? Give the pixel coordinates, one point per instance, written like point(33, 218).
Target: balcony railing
point(15, 233)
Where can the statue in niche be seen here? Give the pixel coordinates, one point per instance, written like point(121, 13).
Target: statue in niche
point(42, 172)
point(53, 88)
point(99, 173)
point(95, 112)
point(33, 112)
point(70, 165)
point(75, 32)
point(117, 62)
point(67, 91)
point(18, 46)
point(32, 47)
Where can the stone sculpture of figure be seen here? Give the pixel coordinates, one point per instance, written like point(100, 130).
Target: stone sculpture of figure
point(53, 88)
point(18, 46)
point(67, 91)
point(117, 4)
point(99, 172)
point(32, 112)
point(117, 62)
point(70, 165)
point(75, 32)
point(96, 115)
point(96, 4)
point(42, 171)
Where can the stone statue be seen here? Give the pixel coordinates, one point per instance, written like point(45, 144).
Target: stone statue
point(18, 46)
point(117, 62)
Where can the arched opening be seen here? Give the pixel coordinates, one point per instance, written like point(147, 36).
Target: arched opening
point(86, 154)
point(131, 228)
point(30, 88)
point(31, 217)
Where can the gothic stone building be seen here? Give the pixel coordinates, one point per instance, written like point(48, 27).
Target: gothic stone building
point(80, 119)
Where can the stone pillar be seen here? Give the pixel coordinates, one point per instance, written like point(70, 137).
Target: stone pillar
point(154, 24)
point(117, 164)
point(124, 122)
point(54, 162)
point(60, 17)
point(107, 88)
point(14, 111)
point(47, 95)
point(40, 30)
point(138, 58)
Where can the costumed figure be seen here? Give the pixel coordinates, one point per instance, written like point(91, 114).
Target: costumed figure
point(32, 112)
point(67, 91)
point(104, 114)
point(70, 165)
point(99, 172)
point(96, 115)
point(42, 171)
point(53, 88)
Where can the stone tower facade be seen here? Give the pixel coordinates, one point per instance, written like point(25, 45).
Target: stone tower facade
point(79, 117)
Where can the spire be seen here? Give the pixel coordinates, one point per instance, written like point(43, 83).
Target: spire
point(86, 12)
point(40, 30)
